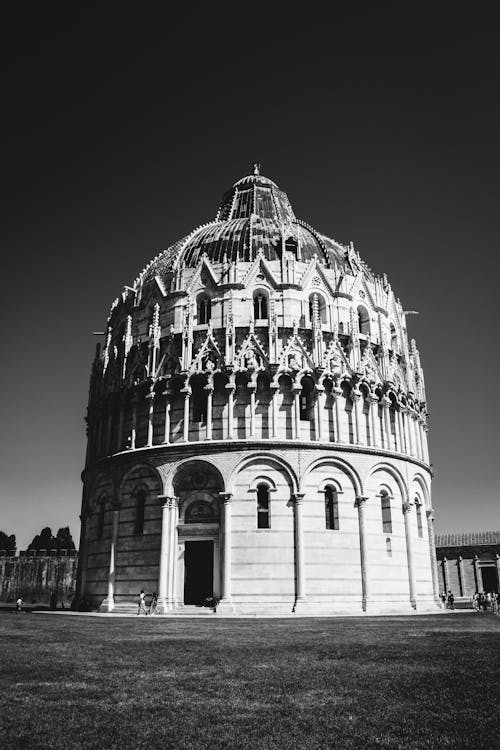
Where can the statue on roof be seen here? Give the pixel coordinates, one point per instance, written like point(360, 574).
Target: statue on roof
point(256, 169)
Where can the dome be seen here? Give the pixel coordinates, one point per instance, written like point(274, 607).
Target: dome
point(254, 216)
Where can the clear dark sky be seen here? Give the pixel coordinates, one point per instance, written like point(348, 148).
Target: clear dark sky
point(121, 132)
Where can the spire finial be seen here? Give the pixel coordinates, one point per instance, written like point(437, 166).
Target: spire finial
point(256, 169)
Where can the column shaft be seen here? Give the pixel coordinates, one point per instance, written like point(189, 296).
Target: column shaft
point(151, 398)
point(363, 549)
point(251, 388)
point(407, 507)
point(210, 393)
point(432, 553)
point(186, 416)
point(296, 402)
point(300, 574)
point(165, 528)
point(166, 435)
point(274, 410)
point(112, 555)
point(338, 432)
point(226, 546)
point(230, 407)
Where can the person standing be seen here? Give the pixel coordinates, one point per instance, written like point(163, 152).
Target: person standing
point(153, 607)
point(142, 603)
point(19, 604)
point(451, 600)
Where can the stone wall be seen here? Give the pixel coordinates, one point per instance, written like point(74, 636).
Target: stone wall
point(37, 577)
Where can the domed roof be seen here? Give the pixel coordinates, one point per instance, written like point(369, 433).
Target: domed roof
point(254, 216)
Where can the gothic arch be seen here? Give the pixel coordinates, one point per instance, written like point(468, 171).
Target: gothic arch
point(339, 463)
point(419, 481)
point(395, 474)
point(178, 468)
point(129, 472)
point(270, 458)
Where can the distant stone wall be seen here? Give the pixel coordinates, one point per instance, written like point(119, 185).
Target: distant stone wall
point(38, 576)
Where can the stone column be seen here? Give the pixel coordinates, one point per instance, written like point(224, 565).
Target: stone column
point(356, 401)
point(252, 388)
point(425, 443)
point(166, 434)
point(172, 550)
point(337, 393)
point(420, 438)
point(497, 560)
point(210, 392)
point(408, 432)
point(133, 433)
point(461, 579)
point(225, 602)
point(230, 404)
point(407, 507)
point(387, 423)
point(363, 549)
point(187, 396)
point(296, 390)
point(477, 575)
point(164, 551)
point(300, 593)
point(151, 398)
point(399, 422)
point(432, 553)
point(446, 577)
point(274, 409)
point(112, 556)
point(373, 422)
point(318, 411)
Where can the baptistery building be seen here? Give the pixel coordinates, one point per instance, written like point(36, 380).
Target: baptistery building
point(257, 428)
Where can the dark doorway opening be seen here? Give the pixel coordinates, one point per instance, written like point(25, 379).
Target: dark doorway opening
point(198, 572)
point(490, 579)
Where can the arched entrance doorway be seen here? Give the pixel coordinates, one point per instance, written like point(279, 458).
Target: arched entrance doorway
point(198, 486)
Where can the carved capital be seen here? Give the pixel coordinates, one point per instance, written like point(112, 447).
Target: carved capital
point(298, 497)
point(430, 514)
point(226, 497)
point(407, 507)
point(360, 500)
point(168, 501)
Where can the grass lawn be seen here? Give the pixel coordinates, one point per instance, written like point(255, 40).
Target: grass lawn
point(398, 682)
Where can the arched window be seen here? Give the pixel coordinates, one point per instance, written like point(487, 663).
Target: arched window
point(140, 505)
point(385, 504)
point(331, 508)
point(199, 399)
point(100, 519)
point(418, 511)
point(388, 547)
point(363, 320)
point(204, 309)
point(307, 400)
point(263, 509)
point(259, 306)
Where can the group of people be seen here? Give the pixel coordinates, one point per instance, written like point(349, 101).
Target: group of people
point(144, 608)
point(448, 600)
point(481, 601)
point(484, 601)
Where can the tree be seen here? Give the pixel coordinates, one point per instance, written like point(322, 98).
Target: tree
point(64, 540)
point(7, 542)
point(44, 540)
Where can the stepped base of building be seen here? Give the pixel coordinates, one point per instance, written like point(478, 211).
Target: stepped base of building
point(299, 608)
